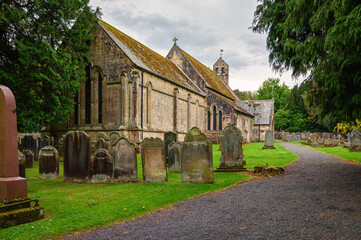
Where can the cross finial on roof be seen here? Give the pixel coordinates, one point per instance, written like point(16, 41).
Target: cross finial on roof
point(175, 41)
point(221, 52)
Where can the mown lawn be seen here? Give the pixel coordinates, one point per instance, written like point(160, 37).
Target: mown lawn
point(73, 206)
point(338, 151)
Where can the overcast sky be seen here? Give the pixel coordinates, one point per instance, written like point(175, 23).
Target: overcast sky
point(202, 28)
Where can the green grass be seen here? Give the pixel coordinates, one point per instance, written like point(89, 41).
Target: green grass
point(74, 206)
point(338, 151)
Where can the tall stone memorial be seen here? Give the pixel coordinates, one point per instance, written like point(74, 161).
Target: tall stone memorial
point(76, 154)
point(154, 167)
point(168, 138)
point(232, 152)
point(48, 163)
point(174, 157)
point(355, 140)
point(197, 158)
point(268, 143)
point(13, 189)
point(11, 185)
point(124, 156)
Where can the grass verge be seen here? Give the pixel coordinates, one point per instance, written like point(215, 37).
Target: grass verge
point(73, 206)
point(337, 151)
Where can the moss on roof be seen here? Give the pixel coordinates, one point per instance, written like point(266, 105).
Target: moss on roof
point(234, 104)
point(210, 77)
point(144, 57)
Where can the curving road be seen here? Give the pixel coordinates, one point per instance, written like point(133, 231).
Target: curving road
point(319, 197)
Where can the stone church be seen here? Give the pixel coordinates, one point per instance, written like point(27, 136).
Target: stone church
point(132, 90)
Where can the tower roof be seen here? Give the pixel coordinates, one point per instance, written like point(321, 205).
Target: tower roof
point(220, 61)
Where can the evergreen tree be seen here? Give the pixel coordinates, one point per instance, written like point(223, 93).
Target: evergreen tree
point(43, 46)
point(321, 38)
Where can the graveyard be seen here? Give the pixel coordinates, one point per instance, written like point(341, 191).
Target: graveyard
point(75, 206)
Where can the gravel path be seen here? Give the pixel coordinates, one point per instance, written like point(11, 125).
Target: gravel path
point(319, 197)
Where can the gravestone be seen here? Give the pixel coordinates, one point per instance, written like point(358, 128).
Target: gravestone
point(268, 143)
point(348, 136)
point(168, 138)
point(11, 185)
point(314, 140)
point(45, 141)
point(76, 155)
point(22, 163)
point(48, 163)
point(29, 158)
point(284, 136)
point(288, 138)
point(154, 167)
point(124, 156)
point(174, 157)
point(298, 138)
point(355, 140)
point(30, 143)
point(16, 207)
point(60, 147)
point(232, 153)
point(113, 137)
point(103, 141)
point(101, 167)
point(197, 158)
point(293, 136)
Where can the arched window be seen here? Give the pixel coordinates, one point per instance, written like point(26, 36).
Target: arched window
point(217, 71)
point(100, 98)
point(214, 118)
point(87, 96)
point(223, 71)
point(209, 120)
point(220, 120)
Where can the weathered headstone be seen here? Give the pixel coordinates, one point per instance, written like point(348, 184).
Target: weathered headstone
point(355, 140)
point(22, 163)
point(268, 143)
point(197, 158)
point(124, 156)
point(113, 137)
point(284, 136)
point(103, 141)
point(48, 163)
point(314, 140)
point(11, 185)
point(29, 158)
point(232, 153)
point(30, 143)
point(293, 137)
point(154, 167)
point(288, 138)
point(101, 167)
point(174, 157)
point(45, 141)
point(298, 138)
point(60, 147)
point(168, 138)
point(76, 155)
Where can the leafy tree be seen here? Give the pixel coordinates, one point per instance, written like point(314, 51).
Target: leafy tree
point(43, 47)
point(245, 95)
point(272, 89)
point(320, 38)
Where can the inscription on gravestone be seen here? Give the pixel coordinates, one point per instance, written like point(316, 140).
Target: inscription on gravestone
point(124, 156)
point(76, 155)
point(174, 157)
point(101, 167)
point(197, 158)
point(154, 168)
point(48, 163)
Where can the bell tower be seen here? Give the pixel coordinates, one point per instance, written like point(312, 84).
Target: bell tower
point(221, 68)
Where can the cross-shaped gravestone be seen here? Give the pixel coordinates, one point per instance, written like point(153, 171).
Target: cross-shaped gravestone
point(175, 41)
point(11, 185)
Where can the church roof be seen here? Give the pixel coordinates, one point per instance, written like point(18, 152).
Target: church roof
point(263, 110)
point(234, 105)
point(147, 59)
point(211, 78)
